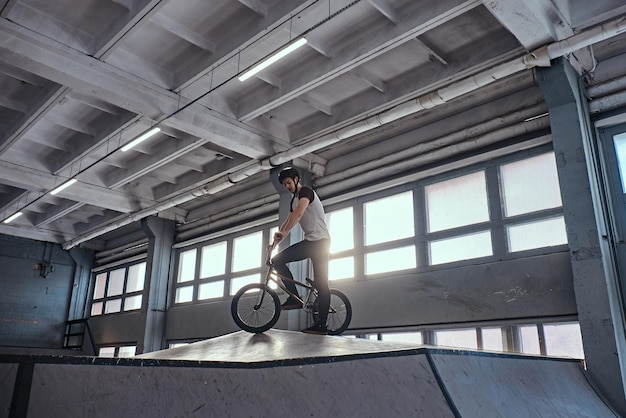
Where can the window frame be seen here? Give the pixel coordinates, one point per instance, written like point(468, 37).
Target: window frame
point(121, 296)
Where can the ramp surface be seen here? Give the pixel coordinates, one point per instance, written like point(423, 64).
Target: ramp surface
point(282, 373)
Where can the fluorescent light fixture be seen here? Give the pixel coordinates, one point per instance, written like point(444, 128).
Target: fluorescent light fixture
point(12, 217)
point(141, 138)
point(63, 186)
point(272, 58)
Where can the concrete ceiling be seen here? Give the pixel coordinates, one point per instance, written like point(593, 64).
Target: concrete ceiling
point(380, 88)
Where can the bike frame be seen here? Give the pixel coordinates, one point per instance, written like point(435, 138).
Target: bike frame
point(273, 276)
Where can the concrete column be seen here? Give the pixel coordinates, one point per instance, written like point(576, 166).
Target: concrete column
point(81, 290)
point(160, 233)
point(573, 146)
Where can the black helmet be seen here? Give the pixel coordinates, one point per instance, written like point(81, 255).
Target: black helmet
point(288, 173)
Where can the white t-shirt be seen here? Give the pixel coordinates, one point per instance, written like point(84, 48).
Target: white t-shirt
point(313, 222)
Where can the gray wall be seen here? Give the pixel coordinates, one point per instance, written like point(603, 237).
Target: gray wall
point(33, 309)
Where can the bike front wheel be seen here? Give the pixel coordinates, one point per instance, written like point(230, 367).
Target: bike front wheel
point(255, 308)
point(339, 313)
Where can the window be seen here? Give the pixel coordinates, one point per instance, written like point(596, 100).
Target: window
point(341, 228)
point(217, 269)
point(390, 260)
point(213, 260)
point(117, 351)
point(460, 248)
point(529, 339)
point(563, 339)
point(492, 339)
point(536, 234)
point(456, 203)
point(389, 218)
point(186, 266)
point(247, 251)
point(465, 338)
point(619, 142)
point(119, 290)
point(532, 186)
point(341, 268)
point(405, 337)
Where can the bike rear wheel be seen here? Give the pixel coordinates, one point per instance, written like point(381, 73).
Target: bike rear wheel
point(255, 308)
point(339, 313)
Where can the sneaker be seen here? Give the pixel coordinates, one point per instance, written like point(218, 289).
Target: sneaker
point(316, 329)
point(290, 304)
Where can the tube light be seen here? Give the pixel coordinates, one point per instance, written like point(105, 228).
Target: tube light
point(141, 138)
point(12, 217)
point(272, 58)
point(63, 186)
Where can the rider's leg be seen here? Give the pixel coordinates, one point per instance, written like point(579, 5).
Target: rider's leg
point(294, 252)
point(320, 271)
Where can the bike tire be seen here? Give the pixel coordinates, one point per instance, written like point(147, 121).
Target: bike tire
point(250, 317)
point(339, 315)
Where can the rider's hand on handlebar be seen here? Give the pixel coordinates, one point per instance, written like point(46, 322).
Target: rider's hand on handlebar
point(278, 237)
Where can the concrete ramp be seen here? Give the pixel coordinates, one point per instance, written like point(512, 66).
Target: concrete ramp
point(282, 373)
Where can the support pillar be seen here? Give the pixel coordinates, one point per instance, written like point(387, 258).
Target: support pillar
point(160, 233)
point(584, 218)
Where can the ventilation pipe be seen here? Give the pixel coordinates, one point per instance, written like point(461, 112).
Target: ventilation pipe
point(540, 57)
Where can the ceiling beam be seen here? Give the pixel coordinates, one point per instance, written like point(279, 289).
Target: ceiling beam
point(379, 40)
point(49, 59)
point(42, 182)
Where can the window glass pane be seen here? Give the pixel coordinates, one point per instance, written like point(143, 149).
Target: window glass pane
point(340, 226)
point(98, 290)
point(247, 251)
point(186, 266)
point(132, 302)
point(465, 338)
point(530, 185)
point(620, 152)
point(464, 247)
point(136, 277)
point(211, 290)
point(406, 337)
point(389, 218)
point(239, 282)
point(174, 345)
point(213, 260)
point(492, 339)
point(341, 268)
point(108, 352)
point(530, 339)
point(184, 294)
point(96, 308)
point(564, 340)
point(116, 282)
point(545, 233)
point(457, 202)
point(112, 306)
point(127, 351)
point(390, 260)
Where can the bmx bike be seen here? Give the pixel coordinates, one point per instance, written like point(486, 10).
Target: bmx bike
point(256, 307)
